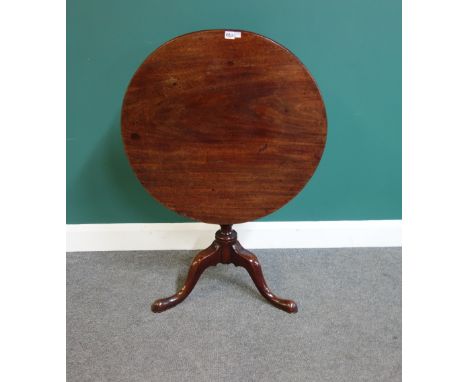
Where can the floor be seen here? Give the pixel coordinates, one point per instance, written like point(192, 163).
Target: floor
point(348, 327)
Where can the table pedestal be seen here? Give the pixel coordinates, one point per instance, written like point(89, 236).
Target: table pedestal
point(225, 249)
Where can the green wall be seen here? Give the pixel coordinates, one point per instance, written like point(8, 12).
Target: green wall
point(351, 47)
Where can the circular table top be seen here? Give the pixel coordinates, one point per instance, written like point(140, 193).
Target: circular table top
point(223, 129)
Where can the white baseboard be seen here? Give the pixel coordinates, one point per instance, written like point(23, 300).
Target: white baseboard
point(255, 235)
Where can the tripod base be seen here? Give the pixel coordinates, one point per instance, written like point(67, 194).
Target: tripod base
point(225, 249)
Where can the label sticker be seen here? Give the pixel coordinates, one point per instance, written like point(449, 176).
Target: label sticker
point(231, 35)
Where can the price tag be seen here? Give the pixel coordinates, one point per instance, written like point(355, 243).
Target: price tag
point(231, 35)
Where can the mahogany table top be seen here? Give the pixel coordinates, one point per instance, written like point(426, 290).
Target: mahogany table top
point(223, 130)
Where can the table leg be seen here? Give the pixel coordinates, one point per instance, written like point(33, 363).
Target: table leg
point(249, 261)
point(206, 258)
point(225, 249)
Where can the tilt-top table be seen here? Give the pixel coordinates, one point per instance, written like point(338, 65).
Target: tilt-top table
point(223, 127)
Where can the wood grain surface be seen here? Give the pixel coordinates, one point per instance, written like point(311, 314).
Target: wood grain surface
point(223, 130)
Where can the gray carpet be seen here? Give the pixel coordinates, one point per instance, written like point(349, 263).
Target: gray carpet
point(348, 327)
